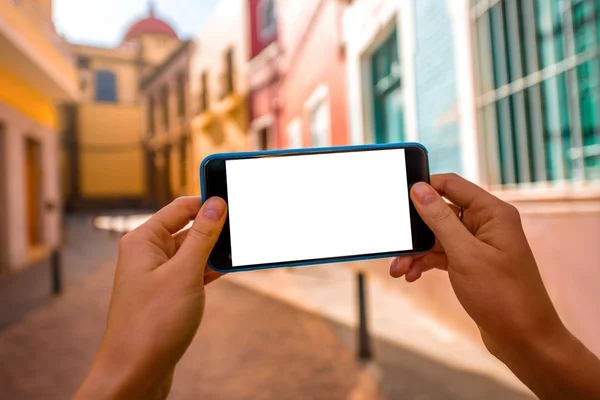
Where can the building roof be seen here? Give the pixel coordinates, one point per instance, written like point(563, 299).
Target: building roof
point(150, 25)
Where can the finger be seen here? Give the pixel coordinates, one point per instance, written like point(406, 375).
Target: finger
point(400, 266)
point(414, 273)
point(175, 216)
point(460, 191)
point(403, 266)
point(179, 238)
point(440, 218)
point(202, 236)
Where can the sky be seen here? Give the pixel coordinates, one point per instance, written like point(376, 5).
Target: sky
point(104, 22)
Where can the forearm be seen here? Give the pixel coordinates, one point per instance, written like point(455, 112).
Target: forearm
point(561, 368)
point(111, 383)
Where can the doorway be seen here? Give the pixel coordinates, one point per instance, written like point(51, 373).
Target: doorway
point(3, 202)
point(33, 191)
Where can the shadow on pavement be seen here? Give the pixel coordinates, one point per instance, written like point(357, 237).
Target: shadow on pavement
point(407, 375)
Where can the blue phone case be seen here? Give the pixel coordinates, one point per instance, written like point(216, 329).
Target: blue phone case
point(303, 151)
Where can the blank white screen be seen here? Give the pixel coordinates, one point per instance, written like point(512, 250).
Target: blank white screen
point(308, 207)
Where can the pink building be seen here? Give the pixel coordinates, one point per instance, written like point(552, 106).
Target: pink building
point(297, 74)
point(264, 75)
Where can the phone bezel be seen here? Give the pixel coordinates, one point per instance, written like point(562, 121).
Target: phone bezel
point(213, 180)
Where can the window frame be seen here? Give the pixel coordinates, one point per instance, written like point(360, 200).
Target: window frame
point(113, 96)
point(266, 32)
point(319, 98)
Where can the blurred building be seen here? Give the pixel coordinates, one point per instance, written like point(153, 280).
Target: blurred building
point(314, 86)
point(167, 127)
point(36, 73)
point(507, 93)
point(105, 162)
point(218, 85)
point(264, 75)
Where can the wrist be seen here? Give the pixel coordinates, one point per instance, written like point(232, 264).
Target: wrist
point(546, 365)
point(110, 380)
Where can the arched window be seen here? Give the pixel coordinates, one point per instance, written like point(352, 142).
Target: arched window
point(267, 19)
point(106, 86)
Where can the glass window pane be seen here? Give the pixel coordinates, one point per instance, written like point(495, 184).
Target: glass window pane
point(106, 86)
point(589, 102)
point(584, 25)
point(500, 56)
point(565, 125)
point(552, 129)
point(557, 27)
point(545, 32)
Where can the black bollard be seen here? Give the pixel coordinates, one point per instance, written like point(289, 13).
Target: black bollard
point(56, 271)
point(364, 339)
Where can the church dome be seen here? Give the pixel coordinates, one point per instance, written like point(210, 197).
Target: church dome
point(150, 26)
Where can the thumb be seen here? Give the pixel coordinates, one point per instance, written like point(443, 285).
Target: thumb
point(202, 236)
point(439, 217)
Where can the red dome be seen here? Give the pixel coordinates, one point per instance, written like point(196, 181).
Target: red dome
point(150, 25)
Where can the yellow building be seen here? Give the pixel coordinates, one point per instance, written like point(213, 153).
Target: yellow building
point(218, 85)
point(167, 119)
point(104, 157)
point(36, 73)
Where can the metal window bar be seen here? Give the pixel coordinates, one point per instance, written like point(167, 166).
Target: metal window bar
point(488, 114)
point(501, 72)
point(519, 113)
point(576, 151)
point(534, 98)
point(556, 139)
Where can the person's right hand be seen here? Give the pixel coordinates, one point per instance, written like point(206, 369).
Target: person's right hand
point(494, 275)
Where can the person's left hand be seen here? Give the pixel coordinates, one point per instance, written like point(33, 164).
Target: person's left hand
point(157, 302)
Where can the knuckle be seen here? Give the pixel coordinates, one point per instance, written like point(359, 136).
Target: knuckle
point(126, 241)
point(442, 215)
point(202, 232)
point(512, 212)
point(180, 201)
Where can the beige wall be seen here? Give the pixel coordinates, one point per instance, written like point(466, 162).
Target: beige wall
point(121, 61)
point(156, 48)
point(179, 126)
point(111, 158)
point(225, 127)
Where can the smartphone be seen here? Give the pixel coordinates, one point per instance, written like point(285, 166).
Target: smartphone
point(313, 206)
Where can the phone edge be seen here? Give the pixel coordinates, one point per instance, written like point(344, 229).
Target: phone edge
point(308, 150)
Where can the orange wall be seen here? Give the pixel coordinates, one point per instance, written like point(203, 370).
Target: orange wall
point(111, 156)
point(26, 99)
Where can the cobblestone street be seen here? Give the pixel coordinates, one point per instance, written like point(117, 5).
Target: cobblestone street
point(250, 346)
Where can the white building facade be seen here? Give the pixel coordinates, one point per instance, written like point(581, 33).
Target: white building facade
point(507, 94)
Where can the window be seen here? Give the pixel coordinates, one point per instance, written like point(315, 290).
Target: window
point(83, 63)
point(263, 138)
point(320, 117)
point(184, 160)
point(294, 134)
point(539, 127)
point(165, 107)
point(151, 116)
point(181, 106)
point(106, 86)
point(33, 185)
point(3, 199)
point(204, 93)
point(229, 78)
point(267, 19)
point(388, 103)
